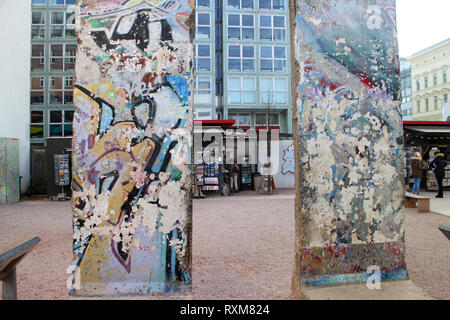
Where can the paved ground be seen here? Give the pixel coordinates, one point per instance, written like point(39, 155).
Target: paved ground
point(396, 290)
point(243, 247)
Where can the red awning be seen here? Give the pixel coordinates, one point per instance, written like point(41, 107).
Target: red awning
point(226, 124)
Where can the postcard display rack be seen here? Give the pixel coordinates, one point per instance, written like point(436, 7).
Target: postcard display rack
point(208, 174)
point(432, 184)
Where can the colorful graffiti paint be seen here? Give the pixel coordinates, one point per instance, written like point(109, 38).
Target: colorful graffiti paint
point(288, 162)
point(9, 171)
point(350, 141)
point(131, 148)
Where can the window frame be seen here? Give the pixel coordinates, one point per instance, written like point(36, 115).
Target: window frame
point(67, 59)
point(40, 26)
point(273, 90)
point(63, 122)
point(272, 28)
point(201, 7)
point(273, 58)
point(272, 6)
point(241, 58)
point(241, 26)
point(241, 90)
point(64, 90)
point(240, 5)
point(197, 26)
point(198, 57)
point(200, 92)
point(42, 90)
point(37, 124)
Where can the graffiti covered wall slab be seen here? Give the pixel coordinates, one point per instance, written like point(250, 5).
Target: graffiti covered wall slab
point(9, 171)
point(131, 148)
point(350, 141)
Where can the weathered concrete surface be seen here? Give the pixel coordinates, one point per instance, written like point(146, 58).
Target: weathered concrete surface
point(350, 143)
point(396, 290)
point(131, 148)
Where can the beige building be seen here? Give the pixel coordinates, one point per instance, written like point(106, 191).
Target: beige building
point(430, 81)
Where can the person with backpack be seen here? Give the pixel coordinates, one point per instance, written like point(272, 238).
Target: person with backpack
point(438, 164)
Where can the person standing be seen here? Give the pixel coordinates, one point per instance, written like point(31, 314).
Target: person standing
point(417, 172)
point(235, 172)
point(439, 171)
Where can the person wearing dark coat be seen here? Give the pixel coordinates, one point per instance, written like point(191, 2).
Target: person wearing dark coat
point(439, 171)
point(417, 172)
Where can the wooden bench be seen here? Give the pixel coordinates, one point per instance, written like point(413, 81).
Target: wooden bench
point(8, 263)
point(419, 202)
point(445, 230)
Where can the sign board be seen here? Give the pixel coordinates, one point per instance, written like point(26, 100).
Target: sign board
point(62, 175)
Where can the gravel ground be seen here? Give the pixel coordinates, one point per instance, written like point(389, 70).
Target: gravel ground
point(242, 249)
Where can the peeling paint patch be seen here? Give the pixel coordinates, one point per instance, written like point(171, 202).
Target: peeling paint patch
point(350, 145)
point(131, 148)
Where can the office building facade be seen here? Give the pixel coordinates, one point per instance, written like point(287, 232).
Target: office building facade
point(431, 82)
point(406, 87)
point(53, 51)
point(242, 65)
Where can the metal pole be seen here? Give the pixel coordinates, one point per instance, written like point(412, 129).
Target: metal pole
point(9, 287)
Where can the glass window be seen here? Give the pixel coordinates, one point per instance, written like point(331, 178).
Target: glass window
point(435, 101)
point(37, 116)
point(446, 98)
point(37, 124)
point(273, 59)
point(61, 90)
point(234, 4)
point(69, 56)
point(56, 57)
point(427, 105)
point(241, 90)
point(202, 90)
point(203, 57)
point(203, 26)
point(261, 119)
point(37, 91)
point(241, 27)
point(38, 25)
point(37, 57)
point(272, 4)
point(426, 82)
point(418, 85)
point(38, 17)
point(202, 3)
point(444, 76)
point(244, 119)
point(241, 58)
point(62, 24)
point(272, 28)
point(57, 17)
point(241, 4)
point(69, 83)
point(70, 25)
point(274, 119)
point(435, 79)
point(34, 2)
point(60, 123)
point(274, 91)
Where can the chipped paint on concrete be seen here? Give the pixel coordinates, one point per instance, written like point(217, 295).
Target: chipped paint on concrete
point(350, 141)
point(131, 147)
